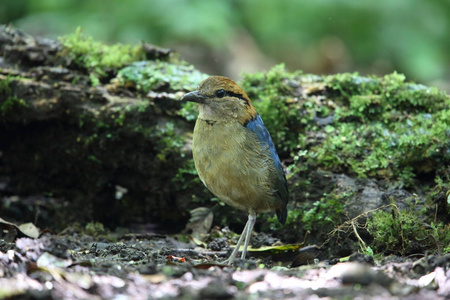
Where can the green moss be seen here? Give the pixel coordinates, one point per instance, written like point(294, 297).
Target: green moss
point(169, 143)
point(98, 58)
point(366, 126)
point(159, 75)
point(102, 60)
point(392, 230)
point(115, 121)
point(10, 104)
point(381, 99)
point(272, 95)
point(386, 128)
point(404, 230)
point(95, 229)
point(189, 111)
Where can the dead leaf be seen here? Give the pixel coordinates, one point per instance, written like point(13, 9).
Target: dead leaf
point(49, 260)
point(276, 249)
point(207, 265)
point(154, 278)
point(28, 229)
point(200, 222)
point(197, 242)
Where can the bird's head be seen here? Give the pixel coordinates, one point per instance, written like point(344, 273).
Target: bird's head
point(221, 100)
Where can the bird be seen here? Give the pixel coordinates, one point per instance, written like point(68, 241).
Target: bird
point(234, 154)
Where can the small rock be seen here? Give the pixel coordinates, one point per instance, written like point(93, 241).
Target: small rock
point(219, 244)
point(351, 272)
point(361, 258)
point(306, 255)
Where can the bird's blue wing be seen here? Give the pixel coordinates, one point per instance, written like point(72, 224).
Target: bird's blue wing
point(257, 126)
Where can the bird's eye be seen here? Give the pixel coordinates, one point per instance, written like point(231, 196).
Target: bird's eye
point(220, 93)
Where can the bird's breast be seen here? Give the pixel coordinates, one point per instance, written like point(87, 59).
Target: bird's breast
point(233, 165)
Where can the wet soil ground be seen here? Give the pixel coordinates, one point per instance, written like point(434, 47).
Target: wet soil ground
point(155, 266)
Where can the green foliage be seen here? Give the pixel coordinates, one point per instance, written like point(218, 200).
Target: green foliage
point(441, 234)
point(320, 215)
point(98, 58)
point(293, 220)
point(186, 175)
point(328, 211)
point(5, 89)
point(159, 75)
point(369, 251)
point(12, 104)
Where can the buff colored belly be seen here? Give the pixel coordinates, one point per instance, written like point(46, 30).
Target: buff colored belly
point(233, 166)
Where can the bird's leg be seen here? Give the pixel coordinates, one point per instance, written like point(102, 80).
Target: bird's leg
point(229, 261)
point(251, 222)
point(246, 233)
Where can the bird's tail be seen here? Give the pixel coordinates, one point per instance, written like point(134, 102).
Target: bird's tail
point(282, 215)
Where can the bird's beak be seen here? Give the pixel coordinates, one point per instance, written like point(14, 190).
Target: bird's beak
point(194, 96)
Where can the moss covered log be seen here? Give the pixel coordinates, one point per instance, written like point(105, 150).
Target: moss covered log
point(77, 127)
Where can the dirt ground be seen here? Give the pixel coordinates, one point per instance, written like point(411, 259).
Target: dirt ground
point(155, 266)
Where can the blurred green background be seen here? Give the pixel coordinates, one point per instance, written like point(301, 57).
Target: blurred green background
point(235, 36)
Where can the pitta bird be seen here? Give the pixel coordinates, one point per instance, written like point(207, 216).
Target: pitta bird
point(234, 154)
